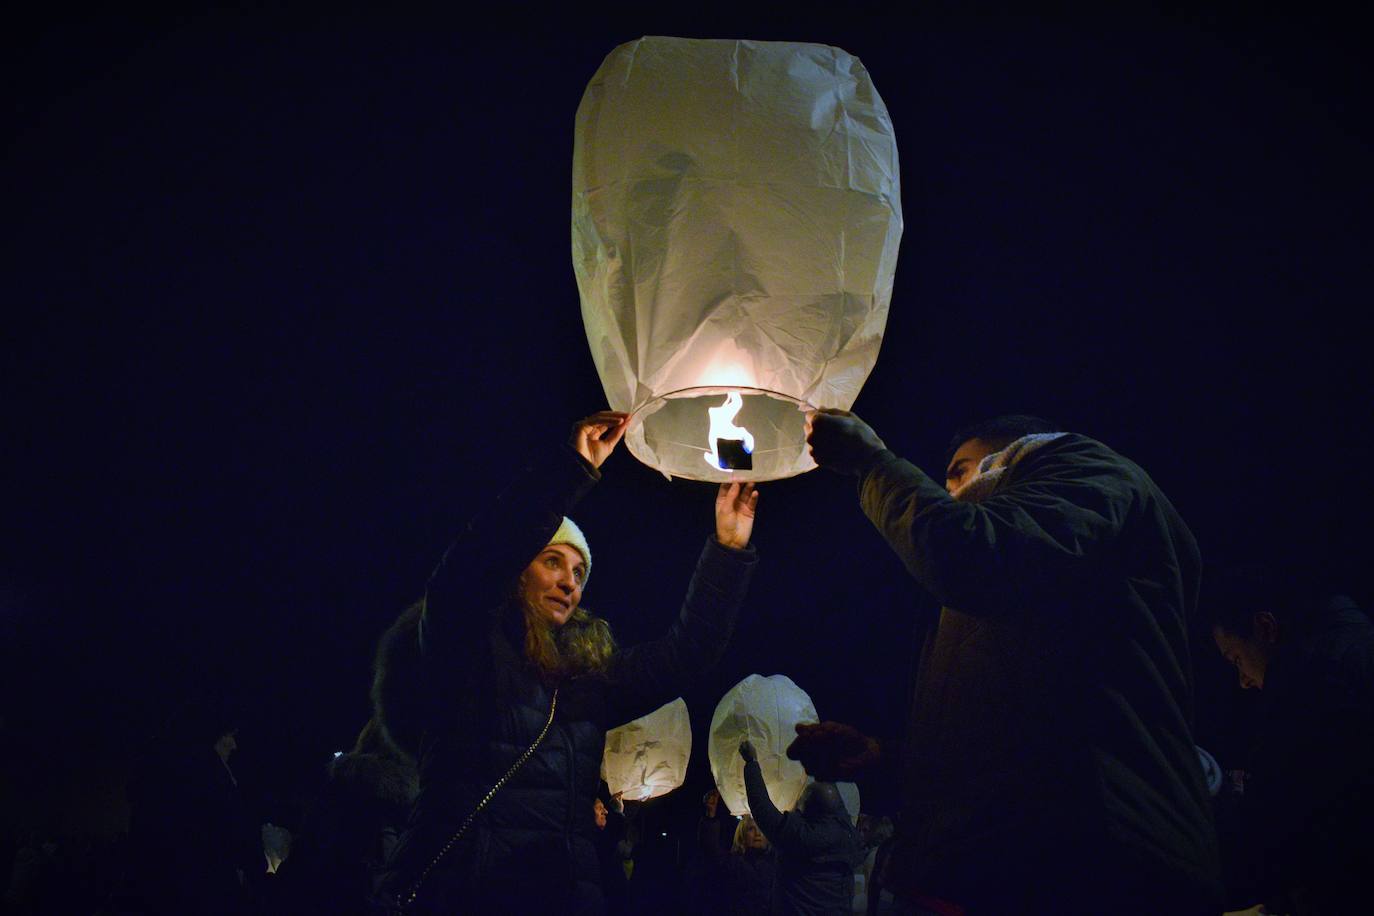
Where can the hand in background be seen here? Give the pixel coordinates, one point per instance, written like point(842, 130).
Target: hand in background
point(746, 750)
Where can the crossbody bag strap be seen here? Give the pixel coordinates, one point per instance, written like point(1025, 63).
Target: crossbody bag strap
point(408, 898)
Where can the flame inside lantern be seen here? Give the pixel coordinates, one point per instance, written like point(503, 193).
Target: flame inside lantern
point(723, 427)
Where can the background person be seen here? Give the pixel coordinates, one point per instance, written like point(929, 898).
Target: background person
point(1298, 836)
point(816, 844)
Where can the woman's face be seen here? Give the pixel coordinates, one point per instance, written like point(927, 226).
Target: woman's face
point(751, 837)
point(552, 584)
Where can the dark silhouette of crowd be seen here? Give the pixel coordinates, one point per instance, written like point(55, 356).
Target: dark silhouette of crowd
point(1050, 763)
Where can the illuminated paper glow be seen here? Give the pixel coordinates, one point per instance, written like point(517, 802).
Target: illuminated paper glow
point(648, 757)
point(736, 215)
point(765, 710)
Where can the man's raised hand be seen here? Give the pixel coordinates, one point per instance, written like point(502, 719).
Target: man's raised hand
point(840, 441)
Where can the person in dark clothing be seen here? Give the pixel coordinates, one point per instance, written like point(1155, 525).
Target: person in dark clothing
point(740, 866)
point(197, 847)
point(610, 830)
point(817, 845)
point(503, 687)
point(348, 831)
point(1049, 763)
point(1298, 839)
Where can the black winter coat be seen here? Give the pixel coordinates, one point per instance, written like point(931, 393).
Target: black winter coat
point(479, 705)
point(1049, 746)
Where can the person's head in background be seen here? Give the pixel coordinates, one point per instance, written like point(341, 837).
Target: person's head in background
point(748, 837)
point(1254, 611)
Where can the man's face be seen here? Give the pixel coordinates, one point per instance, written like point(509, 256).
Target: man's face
point(1249, 654)
point(964, 465)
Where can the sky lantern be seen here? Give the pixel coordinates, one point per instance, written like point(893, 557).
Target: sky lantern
point(765, 710)
point(648, 757)
point(735, 220)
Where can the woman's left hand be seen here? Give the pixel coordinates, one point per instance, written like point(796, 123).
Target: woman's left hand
point(735, 504)
point(595, 437)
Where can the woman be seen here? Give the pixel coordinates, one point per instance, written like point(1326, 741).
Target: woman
point(467, 682)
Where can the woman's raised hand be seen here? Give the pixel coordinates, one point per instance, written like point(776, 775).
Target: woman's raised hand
point(735, 504)
point(595, 437)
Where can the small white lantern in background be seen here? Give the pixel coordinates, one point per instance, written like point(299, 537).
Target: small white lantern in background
point(735, 222)
point(849, 794)
point(765, 710)
point(648, 757)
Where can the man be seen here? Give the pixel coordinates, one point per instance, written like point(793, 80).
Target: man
point(1049, 761)
point(1299, 839)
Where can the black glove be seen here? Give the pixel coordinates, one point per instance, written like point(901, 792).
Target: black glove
point(746, 750)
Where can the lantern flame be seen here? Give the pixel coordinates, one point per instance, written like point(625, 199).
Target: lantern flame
point(723, 427)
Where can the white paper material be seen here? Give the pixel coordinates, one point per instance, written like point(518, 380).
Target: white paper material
point(648, 757)
point(765, 710)
point(736, 214)
point(849, 794)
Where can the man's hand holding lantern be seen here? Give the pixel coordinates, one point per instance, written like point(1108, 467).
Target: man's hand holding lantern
point(840, 441)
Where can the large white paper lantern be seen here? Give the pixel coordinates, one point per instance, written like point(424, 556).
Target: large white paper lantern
point(765, 710)
point(735, 220)
point(648, 757)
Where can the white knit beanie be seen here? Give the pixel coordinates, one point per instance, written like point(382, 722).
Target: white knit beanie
point(568, 533)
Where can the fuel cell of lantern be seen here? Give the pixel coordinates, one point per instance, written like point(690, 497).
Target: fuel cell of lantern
point(733, 455)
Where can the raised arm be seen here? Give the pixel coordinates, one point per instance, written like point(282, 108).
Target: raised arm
point(489, 555)
point(1055, 521)
point(650, 674)
point(785, 830)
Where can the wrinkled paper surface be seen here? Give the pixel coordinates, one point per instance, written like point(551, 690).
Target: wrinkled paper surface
point(765, 710)
point(736, 215)
point(849, 793)
point(648, 757)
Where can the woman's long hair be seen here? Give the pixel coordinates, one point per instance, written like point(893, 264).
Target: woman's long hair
point(581, 646)
point(400, 699)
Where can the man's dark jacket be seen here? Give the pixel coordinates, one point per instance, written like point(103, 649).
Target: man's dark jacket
point(460, 687)
point(1049, 745)
point(1300, 838)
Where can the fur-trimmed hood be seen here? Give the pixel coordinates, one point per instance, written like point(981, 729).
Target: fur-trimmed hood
point(391, 778)
point(397, 687)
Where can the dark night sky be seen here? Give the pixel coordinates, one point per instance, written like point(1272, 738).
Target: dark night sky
point(286, 296)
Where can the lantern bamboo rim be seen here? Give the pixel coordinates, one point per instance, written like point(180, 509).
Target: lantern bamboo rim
point(704, 391)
